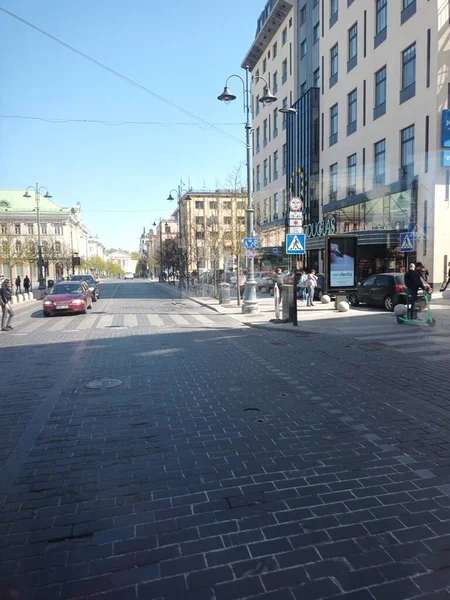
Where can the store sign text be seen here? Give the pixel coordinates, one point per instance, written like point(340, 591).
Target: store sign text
point(320, 228)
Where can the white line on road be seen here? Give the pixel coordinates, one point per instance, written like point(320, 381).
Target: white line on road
point(61, 323)
point(179, 320)
point(105, 321)
point(35, 323)
point(203, 320)
point(130, 320)
point(154, 320)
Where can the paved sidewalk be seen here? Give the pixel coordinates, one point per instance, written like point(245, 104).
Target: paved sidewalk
point(321, 318)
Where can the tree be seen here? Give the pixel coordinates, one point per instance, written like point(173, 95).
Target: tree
point(170, 254)
point(11, 248)
point(234, 238)
point(135, 256)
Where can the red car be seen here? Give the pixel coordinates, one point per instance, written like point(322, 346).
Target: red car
point(67, 297)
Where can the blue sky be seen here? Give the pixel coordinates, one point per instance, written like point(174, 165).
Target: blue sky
point(121, 174)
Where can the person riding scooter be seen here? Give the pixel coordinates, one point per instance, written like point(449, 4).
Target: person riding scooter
point(415, 280)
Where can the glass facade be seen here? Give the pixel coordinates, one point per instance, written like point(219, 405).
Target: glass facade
point(390, 212)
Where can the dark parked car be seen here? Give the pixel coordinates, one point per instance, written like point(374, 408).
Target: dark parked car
point(92, 284)
point(384, 289)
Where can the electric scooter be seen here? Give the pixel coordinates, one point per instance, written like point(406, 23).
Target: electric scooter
point(428, 318)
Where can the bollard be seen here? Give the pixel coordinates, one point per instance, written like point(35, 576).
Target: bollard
point(25, 297)
point(14, 300)
point(19, 298)
point(224, 293)
point(30, 296)
point(287, 295)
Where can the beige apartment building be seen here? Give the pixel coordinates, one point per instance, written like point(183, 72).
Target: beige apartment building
point(63, 236)
point(213, 229)
point(271, 56)
point(164, 229)
point(385, 84)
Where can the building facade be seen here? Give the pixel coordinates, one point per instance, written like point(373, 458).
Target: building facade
point(63, 236)
point(96, 248)
point(384, 86)
point(213, 229)
point(155, 241)
point(272, 57)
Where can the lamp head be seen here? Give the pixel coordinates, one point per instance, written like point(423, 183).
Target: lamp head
point(226, 96)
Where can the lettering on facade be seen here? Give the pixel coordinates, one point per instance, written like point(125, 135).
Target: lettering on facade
point(320, 228)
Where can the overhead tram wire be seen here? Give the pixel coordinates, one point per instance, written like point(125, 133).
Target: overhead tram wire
point(123, 77)
point(60, 121)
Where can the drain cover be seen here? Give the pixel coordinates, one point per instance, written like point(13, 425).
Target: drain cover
point(103, 384)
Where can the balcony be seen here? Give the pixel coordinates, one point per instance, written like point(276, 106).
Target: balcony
point(379, 38)
point(333, 139)
point(333, 80)
point(351, 128)
point(379, 179)
point(408, 12)
point(334, 18)
point(408, 93)
point(351, 64)
point(379, 111)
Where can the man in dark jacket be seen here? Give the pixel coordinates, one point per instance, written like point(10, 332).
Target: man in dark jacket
point(415, 280)
point(7, 311)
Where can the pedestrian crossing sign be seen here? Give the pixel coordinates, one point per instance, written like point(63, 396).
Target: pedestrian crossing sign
point(407, 242)
point(295, 243)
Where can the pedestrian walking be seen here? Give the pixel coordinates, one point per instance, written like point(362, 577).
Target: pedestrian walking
point(7, 311)
point(444, 287)
point(26, 284)
point(311, 284)
point(18, 284)
point(242, 282)
point(302, 286)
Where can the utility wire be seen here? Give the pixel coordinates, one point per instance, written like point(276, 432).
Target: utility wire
point(123, 77)
point(113, 123)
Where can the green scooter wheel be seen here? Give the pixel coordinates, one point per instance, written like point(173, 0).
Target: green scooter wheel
point(400, 320)
point(432, 322)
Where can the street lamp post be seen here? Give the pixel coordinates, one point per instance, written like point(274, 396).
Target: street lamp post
point(160, 249)
point(184, 269)
point(37, 196)
point(250, 305)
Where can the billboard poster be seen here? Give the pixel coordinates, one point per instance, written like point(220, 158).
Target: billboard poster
point(342, 261)
point(445, 137)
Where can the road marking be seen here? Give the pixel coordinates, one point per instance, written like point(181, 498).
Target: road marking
point(130, 320)
point(155, 320)
point(179, 320)
point(61, 323)
point(33, 325)
point(203, 320)
point(87, 322)
point(105, 321)
point(407, 335)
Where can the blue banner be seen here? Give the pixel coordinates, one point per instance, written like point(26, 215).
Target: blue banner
point(445, 129)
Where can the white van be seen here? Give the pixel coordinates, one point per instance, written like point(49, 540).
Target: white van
point(129, 275)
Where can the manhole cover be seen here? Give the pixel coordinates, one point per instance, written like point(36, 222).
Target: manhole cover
point(103, 384)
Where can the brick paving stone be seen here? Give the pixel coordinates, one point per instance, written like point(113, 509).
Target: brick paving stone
point(166, 488)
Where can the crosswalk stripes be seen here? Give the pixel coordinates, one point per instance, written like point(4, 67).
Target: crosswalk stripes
point(122, 321)
point(179, 320)
point(154, 320)
point(432, 346)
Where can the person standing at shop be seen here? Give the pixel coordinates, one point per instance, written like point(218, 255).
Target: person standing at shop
point(444, 287)
point(311, 284)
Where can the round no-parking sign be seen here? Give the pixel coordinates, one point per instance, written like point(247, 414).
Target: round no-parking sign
point(295, 204)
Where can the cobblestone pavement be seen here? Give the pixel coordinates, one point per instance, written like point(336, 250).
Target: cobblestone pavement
point(230, 463)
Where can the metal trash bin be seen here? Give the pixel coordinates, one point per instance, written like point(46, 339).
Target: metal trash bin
point(287, 297)
point(224, 293)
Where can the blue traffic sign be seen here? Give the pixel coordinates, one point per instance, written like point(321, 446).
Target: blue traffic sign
point(251, 243)
point(295, 243)
point(407, 242)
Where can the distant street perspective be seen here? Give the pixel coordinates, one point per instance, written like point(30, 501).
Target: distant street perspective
point(225, 300)
point(155, 448)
